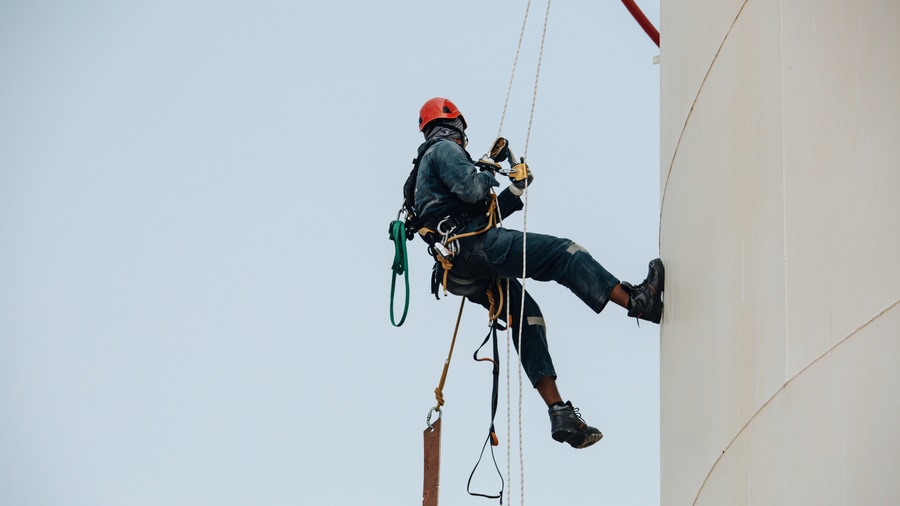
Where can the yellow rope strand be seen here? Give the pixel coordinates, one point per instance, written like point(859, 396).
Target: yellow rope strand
point(496, 307)
point(439, 391)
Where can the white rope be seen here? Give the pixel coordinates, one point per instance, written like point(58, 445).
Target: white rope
point(524, 259)
point(512, 74)
point(537, 75)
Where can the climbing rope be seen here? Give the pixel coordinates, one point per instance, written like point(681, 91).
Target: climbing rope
point(520, 323)
point(439, 391)
point(512, 74)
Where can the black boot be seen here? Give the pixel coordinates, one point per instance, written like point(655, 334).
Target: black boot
point(645, 301)
point(567, 426)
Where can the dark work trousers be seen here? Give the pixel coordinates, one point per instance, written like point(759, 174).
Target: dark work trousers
point(497, 253)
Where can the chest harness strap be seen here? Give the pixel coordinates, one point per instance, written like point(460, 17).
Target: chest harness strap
point(444, 250)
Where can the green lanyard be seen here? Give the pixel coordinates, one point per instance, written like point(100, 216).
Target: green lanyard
point(398, 235)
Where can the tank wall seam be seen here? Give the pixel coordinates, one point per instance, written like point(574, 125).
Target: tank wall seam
point(783, 388)
point(690, 113)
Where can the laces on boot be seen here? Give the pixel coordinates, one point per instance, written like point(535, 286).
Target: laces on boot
point(577, 414)
point(568, 426)
point(645, 300)
point(629, 289)
point(641, 302)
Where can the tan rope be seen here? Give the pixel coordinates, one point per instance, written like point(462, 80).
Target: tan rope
point(496, 307)
point(439, 391)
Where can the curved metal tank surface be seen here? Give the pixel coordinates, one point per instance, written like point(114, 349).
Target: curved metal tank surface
point(780, 229)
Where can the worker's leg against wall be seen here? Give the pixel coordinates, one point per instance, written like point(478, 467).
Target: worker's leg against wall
point(551, 258)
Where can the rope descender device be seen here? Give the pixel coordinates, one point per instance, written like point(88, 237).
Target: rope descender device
point(500, 152)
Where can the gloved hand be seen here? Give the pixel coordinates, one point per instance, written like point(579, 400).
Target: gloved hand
point(521, 175)
point(521, 178)
point(487, 164)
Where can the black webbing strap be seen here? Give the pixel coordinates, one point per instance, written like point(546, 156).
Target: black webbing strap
point(492, 435)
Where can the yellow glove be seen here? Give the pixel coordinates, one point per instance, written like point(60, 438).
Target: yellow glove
point(521, 177)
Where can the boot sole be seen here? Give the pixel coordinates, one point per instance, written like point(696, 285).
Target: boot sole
point(662, 274)
point(656, 315)
point(564, 436)
point(588, 440)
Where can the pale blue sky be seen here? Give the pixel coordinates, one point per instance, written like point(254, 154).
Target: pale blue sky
point(195, 265)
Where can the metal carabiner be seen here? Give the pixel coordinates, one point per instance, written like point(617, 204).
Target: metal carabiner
point(440, 228)
point(431, 412)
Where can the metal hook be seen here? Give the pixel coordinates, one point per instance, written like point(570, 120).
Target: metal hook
point(431, 412)
point(440, 227)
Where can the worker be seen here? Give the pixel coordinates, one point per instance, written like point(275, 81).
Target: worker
point(452, 194)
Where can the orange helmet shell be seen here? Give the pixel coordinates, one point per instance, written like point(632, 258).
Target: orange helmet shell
point(439, 108)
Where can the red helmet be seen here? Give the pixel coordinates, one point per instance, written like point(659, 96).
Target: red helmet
point(439, 108)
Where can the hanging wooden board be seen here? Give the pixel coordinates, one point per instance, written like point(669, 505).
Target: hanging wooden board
point(432, 437)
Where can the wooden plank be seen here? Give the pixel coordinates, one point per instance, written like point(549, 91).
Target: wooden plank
point(432, 438)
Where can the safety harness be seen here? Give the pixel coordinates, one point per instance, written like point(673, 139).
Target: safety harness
point(440, 234)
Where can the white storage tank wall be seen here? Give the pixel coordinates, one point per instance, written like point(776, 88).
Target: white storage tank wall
point(780, 229)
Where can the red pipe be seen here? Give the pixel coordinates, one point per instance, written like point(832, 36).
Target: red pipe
point(642, 20)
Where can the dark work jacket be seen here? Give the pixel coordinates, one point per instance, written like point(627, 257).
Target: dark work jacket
point(449, 184)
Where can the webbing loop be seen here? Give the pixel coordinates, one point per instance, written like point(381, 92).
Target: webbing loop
point(398, 235)
point(492, 433)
